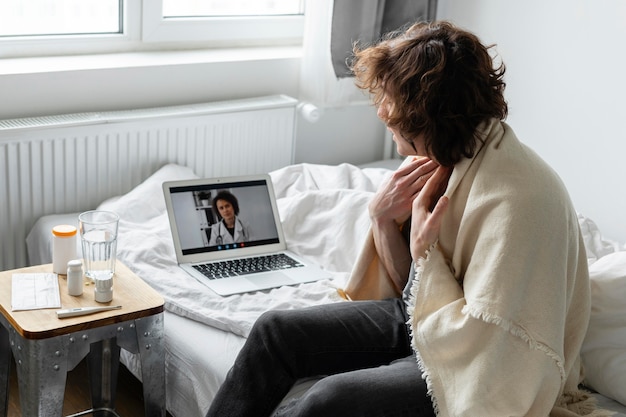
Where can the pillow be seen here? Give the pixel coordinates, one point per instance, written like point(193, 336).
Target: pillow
point(604, 348)
point(596, 245)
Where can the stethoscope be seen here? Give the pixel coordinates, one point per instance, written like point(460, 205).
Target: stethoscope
point(220, 240)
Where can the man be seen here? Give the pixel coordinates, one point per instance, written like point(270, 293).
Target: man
point(473, 278)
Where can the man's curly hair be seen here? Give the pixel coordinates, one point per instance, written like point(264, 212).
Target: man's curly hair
point(440, 82)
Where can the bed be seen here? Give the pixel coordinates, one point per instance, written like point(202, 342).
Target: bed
point(323, 210)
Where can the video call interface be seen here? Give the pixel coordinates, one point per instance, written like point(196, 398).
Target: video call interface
point(207, 220)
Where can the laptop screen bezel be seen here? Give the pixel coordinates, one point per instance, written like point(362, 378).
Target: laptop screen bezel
point(209, 256)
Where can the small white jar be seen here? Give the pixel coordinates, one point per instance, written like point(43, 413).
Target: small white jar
point(103, 291)
point(63, 247)
point(75, 277)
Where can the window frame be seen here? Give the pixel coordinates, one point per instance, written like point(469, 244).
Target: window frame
point(255, 29)
point(57, 45)
point(144, 29)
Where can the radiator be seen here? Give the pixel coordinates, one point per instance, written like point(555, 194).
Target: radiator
point(70, 163)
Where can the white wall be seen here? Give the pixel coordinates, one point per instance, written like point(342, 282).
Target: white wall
point(566, 84)
point(343, 134)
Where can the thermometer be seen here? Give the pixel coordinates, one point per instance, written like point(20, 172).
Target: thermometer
point(83, 311)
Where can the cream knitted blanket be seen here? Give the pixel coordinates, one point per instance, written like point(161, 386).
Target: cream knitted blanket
point(500, 306)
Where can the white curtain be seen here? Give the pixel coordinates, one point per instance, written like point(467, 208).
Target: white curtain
point(318, 83)
point(331, 27)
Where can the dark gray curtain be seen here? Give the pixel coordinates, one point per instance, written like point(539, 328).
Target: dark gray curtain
point(367, 20)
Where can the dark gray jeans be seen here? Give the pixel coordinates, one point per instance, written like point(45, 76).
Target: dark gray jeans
point(363, 347)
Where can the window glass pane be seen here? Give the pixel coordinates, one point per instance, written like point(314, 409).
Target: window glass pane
point(205, 8)
point(59, 17)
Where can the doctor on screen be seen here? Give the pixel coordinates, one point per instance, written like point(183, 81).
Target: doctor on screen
point(230, 228)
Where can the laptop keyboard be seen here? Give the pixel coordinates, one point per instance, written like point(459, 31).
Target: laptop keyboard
point(246, 266)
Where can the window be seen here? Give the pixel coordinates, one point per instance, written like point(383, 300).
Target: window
point(203, 8)
point(219, 21)
point(56, 27)
point(59, 17)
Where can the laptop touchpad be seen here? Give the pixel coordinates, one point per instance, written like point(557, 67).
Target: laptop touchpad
point(272, 279)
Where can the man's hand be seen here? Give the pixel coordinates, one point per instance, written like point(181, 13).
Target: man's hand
point(394, 199)
point(427, 212)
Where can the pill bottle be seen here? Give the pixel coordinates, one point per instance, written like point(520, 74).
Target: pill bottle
point(75, 277)
point(63, 247)
point(103, 291)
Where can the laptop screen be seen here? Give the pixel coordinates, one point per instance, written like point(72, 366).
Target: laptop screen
point(222, 216)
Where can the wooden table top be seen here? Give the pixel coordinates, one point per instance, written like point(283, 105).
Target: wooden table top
point(136, 297)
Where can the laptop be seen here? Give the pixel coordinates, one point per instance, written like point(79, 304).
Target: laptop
point(228, 235)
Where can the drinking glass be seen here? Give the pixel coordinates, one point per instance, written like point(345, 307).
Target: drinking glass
point(98, 233)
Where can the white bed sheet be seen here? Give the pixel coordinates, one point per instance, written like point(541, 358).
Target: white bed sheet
point(323, 209)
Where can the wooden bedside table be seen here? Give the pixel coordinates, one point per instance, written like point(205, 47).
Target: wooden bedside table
point(45, 347)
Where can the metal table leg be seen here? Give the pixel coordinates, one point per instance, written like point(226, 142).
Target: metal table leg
point(152, 355)
point(103, 365)
point(42, 373)
point(146, 338)
point(42, 366)
point(5, 370)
